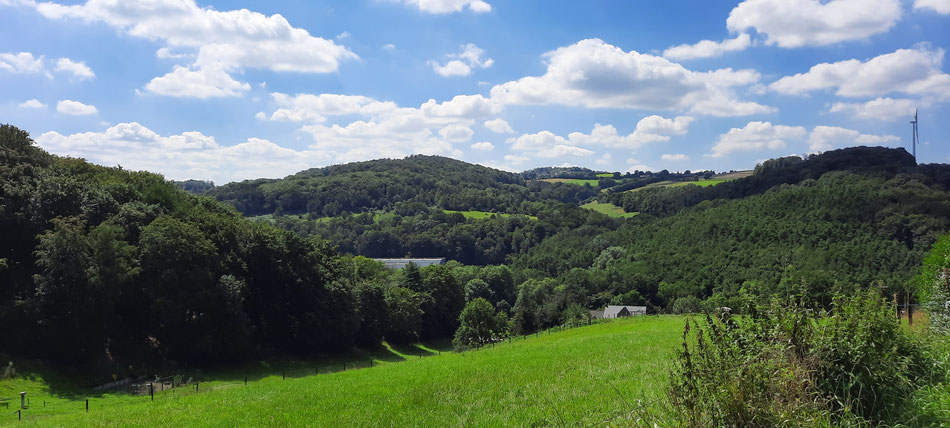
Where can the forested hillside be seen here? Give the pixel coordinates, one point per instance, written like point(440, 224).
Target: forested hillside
point(107, 266)
point(381, 184)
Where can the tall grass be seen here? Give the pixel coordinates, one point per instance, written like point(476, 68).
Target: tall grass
point(790, 364)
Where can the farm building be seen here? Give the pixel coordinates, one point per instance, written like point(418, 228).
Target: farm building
point(619, 311)
point(401, 263)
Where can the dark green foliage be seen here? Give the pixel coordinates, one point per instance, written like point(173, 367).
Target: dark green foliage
point(423, 181)
point(934, 286)
point(195, 186)
point(479, 325)
point(790, 364)
point(103, 265)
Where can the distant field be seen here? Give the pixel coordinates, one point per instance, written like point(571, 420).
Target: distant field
point(608, 209)
point(605, 175)
point(482, 214)
point(716, 179)
point(605, 374)
point(700, 183)
point(577, 181)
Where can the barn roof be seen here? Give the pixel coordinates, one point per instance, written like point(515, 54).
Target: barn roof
point(612, 311)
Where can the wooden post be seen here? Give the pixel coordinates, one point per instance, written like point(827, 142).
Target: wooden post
point(245, 380)
point(897, 308)
point(283, 375)
point(910, 311)
point(87, 405)
point(196, 386)
point(151, 391)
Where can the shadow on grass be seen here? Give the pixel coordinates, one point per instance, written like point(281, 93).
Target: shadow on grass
point(79, 383)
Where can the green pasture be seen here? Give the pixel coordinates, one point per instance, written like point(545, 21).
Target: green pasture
point(608, 209)
point(605, 374)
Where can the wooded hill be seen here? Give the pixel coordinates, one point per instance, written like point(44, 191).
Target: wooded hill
point(108, 265)
point(382, 184)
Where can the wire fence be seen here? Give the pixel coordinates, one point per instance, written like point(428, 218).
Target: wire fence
point(180, 385)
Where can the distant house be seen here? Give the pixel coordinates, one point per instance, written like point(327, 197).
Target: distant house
point(401, 263)
point(612, 311)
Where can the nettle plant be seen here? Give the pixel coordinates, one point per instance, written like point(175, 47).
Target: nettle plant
point(934, 286)
point(791, 362)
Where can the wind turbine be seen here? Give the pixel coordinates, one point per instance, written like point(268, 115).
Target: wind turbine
point(915, 137)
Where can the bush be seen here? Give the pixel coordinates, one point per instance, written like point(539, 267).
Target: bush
point(480, 325)
point(790, 364)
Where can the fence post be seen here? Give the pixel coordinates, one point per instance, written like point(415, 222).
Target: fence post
point(151, 391)
point(196, 386)
point(87, 405)
point(344, 365)
point(283, 375)
point(245, 380)
point(19, 415)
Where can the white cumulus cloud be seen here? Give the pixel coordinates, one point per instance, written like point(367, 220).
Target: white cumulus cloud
point(650, 129)
point(674, 157)
point(824, 138)
point(78, 69)
point(797, 23)
point(470, 57)
point(22, 62)
point(499, 126)
point(353, 127)
point(888, 109)
point(483, 146)
point(449, 6)
point(756, 136)
point(594, 74)
point(906, 71)
point(546, 144)
point(940, 6)
point(223, 41)
point(183, 156)
point(708, 48)
point(33, 103)
point(75, 108)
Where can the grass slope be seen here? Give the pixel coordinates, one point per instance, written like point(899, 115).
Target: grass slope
point(590, 375)
point(577, 181)
point(608, 209)
point(482, 214)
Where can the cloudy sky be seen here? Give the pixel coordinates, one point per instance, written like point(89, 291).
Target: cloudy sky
point(231, 90)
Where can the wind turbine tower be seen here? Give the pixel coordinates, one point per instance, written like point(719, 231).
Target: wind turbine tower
point(915, 137)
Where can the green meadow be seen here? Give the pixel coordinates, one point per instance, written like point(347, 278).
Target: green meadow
point(608, 209)
point(482, 214)
point(605, 374)
point(577, 181)
point(700, 183)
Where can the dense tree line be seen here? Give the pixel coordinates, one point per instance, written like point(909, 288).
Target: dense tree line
point(843, 231)
point(430, 232)
point(107, 266)
point(381, 184)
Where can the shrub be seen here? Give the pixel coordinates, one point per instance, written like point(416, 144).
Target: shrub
point(789, 364)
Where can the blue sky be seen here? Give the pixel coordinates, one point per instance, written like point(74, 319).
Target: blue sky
point(232, 90)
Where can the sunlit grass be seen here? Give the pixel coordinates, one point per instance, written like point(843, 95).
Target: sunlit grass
point(603, 374)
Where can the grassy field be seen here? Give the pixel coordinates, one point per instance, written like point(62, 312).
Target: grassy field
point(716, 179)
point(482, 214)
point(608, 209)
point(577, 181)
point(700, 183)
point(605, 175)
point(605, 374)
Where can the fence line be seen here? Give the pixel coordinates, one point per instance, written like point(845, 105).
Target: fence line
point(183, 385)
